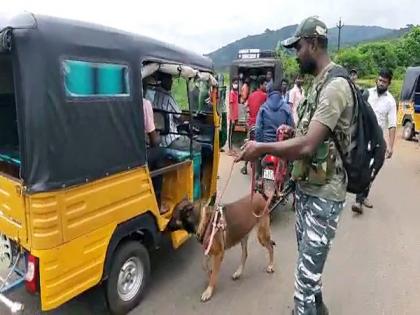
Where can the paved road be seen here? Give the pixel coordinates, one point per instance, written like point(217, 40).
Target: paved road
point(373, 267)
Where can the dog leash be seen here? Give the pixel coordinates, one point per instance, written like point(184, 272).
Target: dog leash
point(218, 221)
point(218, 201)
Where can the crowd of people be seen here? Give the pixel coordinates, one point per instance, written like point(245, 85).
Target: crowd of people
point(269, 105)
point(323, 118)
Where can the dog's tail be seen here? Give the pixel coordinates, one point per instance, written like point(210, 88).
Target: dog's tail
point(272, 243)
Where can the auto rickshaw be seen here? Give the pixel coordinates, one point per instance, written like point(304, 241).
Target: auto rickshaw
point(409, 105)
point(79, 204)
point(252, 63)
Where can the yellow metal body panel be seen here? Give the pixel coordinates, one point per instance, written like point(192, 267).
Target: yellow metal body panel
point(177, 185)
point(12, 210)
point(406, 109)
point(178, 238)
point(417, 122)
point(216, 145)
point(72, 268)
point(60, 217)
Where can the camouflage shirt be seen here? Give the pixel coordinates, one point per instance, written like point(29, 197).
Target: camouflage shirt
point(334, 109)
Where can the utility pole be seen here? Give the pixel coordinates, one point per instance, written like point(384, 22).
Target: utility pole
point(340, 25)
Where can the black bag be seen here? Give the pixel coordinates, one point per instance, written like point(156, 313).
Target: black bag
point(365, 156)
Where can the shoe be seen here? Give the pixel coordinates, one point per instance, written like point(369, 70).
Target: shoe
point(367, 203)
point(321, 308)
point(357, 207)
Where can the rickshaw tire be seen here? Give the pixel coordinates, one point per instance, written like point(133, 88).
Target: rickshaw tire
point(408, 131)
point(124, 252)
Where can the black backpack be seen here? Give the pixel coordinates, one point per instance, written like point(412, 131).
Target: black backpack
point(365, 156)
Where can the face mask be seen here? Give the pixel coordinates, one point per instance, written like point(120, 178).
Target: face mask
point(235, 86)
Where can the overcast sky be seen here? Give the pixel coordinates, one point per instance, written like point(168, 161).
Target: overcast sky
point(204, 26)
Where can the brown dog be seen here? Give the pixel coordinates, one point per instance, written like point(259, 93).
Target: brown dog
point(240, 217)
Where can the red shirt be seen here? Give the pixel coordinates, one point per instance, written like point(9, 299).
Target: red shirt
point(233, 105)
point(255, 100)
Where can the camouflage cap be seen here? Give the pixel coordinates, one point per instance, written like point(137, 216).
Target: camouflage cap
point(310, 27)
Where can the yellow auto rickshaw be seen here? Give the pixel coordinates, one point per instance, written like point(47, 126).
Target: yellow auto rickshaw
point(80, 202)
point(409, 105)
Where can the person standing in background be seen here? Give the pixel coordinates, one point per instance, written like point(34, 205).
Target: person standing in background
point(385, 108)
point(245, 91)
point(269, 79)
point(255, 100)
point(233, 112)
point(296, 95)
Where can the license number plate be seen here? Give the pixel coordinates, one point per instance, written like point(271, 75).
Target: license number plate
point(268, 174)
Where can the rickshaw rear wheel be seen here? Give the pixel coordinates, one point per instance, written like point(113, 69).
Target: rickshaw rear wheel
point(408, 131)
point(127, 281)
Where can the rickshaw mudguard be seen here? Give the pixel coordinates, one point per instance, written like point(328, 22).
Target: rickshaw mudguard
point(72, 268)
point(12, 210)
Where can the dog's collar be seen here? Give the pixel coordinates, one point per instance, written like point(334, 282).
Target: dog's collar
point(261, 191)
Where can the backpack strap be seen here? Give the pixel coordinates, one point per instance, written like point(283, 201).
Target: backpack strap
point(342, 73)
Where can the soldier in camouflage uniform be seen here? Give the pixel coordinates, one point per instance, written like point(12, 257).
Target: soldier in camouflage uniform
point(321, 179)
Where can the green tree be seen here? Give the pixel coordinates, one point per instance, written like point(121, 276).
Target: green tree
point(353, 58)
point(408, 50)
point(383, 54)
point(289, 64)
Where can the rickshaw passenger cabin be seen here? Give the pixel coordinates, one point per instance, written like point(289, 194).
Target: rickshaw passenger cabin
point(76, 190)
point(409, 105)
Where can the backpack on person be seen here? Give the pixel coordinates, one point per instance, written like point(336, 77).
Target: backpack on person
point(365, 155)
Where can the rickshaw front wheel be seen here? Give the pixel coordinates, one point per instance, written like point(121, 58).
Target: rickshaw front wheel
point(128, 278)
point(408, 131)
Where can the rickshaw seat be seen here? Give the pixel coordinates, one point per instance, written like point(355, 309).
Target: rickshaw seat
point(182, 158)
point(176, 155)
point(10, 156)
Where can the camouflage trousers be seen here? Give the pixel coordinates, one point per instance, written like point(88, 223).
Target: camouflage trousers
point(316, 224)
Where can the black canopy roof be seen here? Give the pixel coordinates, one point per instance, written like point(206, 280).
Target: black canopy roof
point(71, 141)
point(410, 83)
point(59, 31)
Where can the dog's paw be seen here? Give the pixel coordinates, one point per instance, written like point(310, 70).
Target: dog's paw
point(270, 269)
point(206, 296)
point(237, 275)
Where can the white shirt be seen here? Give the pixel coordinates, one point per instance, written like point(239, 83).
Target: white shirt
point(384, 107)
point(296, 96)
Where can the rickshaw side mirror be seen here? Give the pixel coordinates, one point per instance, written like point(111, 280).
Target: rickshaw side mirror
point(162, 123)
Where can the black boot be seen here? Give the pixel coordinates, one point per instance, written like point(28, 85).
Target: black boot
point(321, 308)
